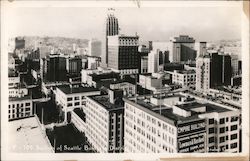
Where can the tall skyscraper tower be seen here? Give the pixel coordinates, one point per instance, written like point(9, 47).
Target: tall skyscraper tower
point(111, 29)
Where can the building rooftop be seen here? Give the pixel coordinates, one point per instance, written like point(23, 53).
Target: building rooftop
point(190, 106)
point(214, 108)
point(185, 71)
point(162, 96)
point(177, 118)
point(183, 39)
point(76, 89)
point(105, 102)
point(166, 112)
point(28, 133)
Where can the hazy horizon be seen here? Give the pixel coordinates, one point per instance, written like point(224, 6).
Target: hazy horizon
point(156, 24)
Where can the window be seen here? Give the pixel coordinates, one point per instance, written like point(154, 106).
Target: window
point(69, 104)
point(27, 104)
point(234, 145)
point(69, 99)
point(222, 129)
point(222, 120)
point(234, 136)
point(233, 127)
point(27, 109)
point(77, 98)
point(211, 130)
point(222, 148)
point(234, 118)
point(222, 139)
point(211, 121)
point(159, 124)
point(77, 103)
point(211, 140)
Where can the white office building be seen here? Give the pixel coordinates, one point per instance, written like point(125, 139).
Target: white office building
point(20, 108)
point(73, 96)
point(94, 48)
point(172, 123)
point(185, 78)
point(104, 120)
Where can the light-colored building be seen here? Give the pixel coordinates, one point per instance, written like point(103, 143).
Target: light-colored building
point(203, 74)
point(20, 107)
point(153, 61)
point(185, 78)
point(200, 47)
point(94, 48)
point(94, 77)
point(105, 123)
point(78, 118)
point(70, 97)
point(153, 82)
point(93, 62)
point(11, 62)
point(86, 72)
point(144, 64)
point(111, 28)
point(173, 123)
point(18, 92)
point(181, 49)
point(28, 135)
point(235, 64)
point(128, 88)
point(223, 130)
point(14, 80)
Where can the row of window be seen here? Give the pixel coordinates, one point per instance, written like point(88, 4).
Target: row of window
point(233, 119)
point(145, 117)
point(223, 120)
point(20, 105)
point(19, 115)
point(75, 98)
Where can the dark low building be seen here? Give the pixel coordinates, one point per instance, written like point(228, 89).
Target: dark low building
point(173, 66)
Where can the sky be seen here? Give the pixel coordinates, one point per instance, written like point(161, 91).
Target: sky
point(150, 23)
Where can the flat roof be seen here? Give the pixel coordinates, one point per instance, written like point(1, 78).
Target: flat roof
point(26, 136)
point(77, 89)
point(169, 114)
point(165, 111)
point(158, 96)
point(185, 71)
point(215, 108)
point(104, 101)
point(190, 106)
